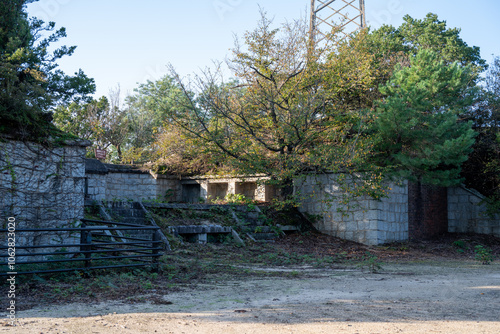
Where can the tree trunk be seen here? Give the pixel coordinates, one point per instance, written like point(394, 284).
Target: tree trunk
point(119, 150)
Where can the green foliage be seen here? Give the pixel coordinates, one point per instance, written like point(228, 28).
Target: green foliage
point(419, 133)
point(98, 121)
point(396, 45)
point(295, 109)
point(239, 199)
point(371, 262)
point(483, 254)
point(482, 170)
point(31, 85)
point(149, 109)
point(282, 115)
point(460, 246)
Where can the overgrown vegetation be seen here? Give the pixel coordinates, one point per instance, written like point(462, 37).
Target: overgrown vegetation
point(370, 262)
point(483, 254)
point(396, 101)
point(482, 169)
point(172, 217)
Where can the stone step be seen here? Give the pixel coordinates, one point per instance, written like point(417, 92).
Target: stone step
point(127, 213)
point(198, 229)
point(133, 220)
point(272, 229)
point(264, 236)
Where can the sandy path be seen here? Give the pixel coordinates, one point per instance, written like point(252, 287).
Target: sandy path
point(404, 299)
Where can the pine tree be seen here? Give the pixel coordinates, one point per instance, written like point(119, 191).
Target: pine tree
point(417, 124)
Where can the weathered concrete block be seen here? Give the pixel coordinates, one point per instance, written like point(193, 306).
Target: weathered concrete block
point(349, 236)
point(358, 215)
point(371, 215)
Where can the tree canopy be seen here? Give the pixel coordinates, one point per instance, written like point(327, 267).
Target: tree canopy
point(31, 85)
point(392, 100)
point(282, 114)
point(417, 123)
point(482, 170)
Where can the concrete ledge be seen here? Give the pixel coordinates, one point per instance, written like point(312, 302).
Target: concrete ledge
point(199, 229)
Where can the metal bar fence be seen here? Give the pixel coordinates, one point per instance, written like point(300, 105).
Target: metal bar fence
point(98, 249)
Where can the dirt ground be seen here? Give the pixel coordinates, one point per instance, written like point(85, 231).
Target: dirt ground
point(418, 290)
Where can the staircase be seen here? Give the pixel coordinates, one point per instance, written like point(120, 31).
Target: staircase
point(249, 219)
point(253, 222)
point(131, 213)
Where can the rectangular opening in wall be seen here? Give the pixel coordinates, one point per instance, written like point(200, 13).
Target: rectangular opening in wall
point(191, 193)
point(270, 192)
point(217, 190)
point(248, 189)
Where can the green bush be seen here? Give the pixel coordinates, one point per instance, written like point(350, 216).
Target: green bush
point(483, 254)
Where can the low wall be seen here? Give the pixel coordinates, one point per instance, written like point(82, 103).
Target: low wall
point(366, 220)
point(42, 187)
point(113, 182)
point(466, 213)
point(216, 188)
point(410, 211)
point(123, 182)
point(133, 184)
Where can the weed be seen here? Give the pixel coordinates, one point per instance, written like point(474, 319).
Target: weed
point(460, 246)
point(240, 199)
point(294, 274)
point(483, 254)
point(371, 262)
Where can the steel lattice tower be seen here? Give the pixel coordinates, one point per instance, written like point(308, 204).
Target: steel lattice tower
point(326, 14)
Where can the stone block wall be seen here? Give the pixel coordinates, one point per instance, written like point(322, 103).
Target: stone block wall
point(133, 185)
point(96, 186)
point(410, 211)
point(393, 214)
point(365, 220)
point(121, 182)
point(42, 187)
point(466, 213)
point(168, 187)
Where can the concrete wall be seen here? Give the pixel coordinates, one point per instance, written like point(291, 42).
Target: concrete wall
point(218, 188)
point(42, 187)
point(467, 214)
point(96, 186)
point(135, 186)
point(365, 220)
point(113, 182)
point(409, 211)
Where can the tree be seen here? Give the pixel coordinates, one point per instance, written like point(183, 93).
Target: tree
point(149, 109)
point(82, 119)
point(417, 122)
point(177, 154)
point(30, 84)
point(392, 45)
point(482, 170)
point(98, 121)
point(279, 116)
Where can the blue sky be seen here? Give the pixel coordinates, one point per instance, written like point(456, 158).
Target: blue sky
point(126, 42)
